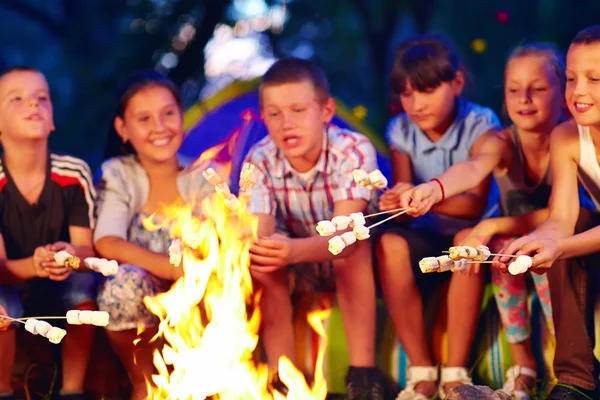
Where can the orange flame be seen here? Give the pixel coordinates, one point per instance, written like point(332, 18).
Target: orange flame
point(210, 319)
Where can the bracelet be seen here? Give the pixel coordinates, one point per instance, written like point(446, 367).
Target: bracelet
point(436, 180)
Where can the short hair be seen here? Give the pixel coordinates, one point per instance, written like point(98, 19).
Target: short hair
point(425, 62)
point(589, 35)
point(131, 85)
point(19, 68)
point(294, 70)
point(554, 57)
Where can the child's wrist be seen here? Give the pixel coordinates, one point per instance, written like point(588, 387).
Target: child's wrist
point(440, 195)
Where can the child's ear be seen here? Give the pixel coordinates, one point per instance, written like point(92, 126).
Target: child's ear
point(119, 125)
point(458, 83)
point(328, 110)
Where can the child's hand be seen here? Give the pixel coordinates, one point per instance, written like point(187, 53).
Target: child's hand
point(421, 198)
point(40, 255)
point(4, 323)
point(56, 271)
point(391, 198)
point(270, 254)
point(544, 252)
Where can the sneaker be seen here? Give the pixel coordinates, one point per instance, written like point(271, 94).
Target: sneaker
point(571, 392)
point(364, 383)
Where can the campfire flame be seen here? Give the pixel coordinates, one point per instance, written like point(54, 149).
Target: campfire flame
point(209, 319)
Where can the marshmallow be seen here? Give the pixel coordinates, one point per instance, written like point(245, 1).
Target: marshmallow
point(446, 263)
point(55, 335)
point(232, 203)
point(247, 177)
point(483, 253)
point(520, 265)
point(61, 257)
point(378, 180)
point(525, 260)
point(325, 228)
point(211, 176)
point(460, 265)
point(361, 232)
point(336, 245)
point(223, 189)
point(42, 328)
point(247, 170)
point(341, 222)
point(348, 238)
point(102, 265)
point(30, 325)
point(73, 317)
point(458, 252)
point(357, 219)
point(471, 252)
point(85, 317)
point(100, 318)
point(110, 268)
point(429, 264)
point(361, 177)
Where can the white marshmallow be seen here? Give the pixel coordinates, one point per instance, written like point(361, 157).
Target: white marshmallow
point(30, 325)
point(357, 219)
point(232, 203)
point(520, 265)
point(361, 177)
point(361, 232)
point(325, 228)
point(378, 180)
point(247, 169)
point(460, 265)
point(92, 262)
point(175, 259)
point(211, 176)
point(61, 257)
point(483, 253)
point(348, 238)
point(471, 252)
point(100, 318)
point(446, 263)
point(55, 335)
point(85, 316)
point(336, 245)
point(223, 189)
point(73, 317)
point(525, 260)
point(42, 328)
point(429, 264)
point(102, 265)
point(110, 268)
point(341, 222)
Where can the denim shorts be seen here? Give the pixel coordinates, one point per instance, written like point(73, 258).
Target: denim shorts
point(50, 296)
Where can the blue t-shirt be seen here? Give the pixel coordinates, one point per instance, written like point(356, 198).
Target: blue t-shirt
point(431, 159)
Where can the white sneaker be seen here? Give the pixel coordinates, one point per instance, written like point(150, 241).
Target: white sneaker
point(414, 376)
point(453, 374)
point(510, 384)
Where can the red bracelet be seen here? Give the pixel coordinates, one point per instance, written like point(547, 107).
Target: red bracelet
point(436, 180)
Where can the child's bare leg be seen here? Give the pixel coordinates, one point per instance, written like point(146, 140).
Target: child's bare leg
point(7, 358)
point(355, 288)
point(137, 359)
point(277, 331)
point(76, 349)
point(404, 302)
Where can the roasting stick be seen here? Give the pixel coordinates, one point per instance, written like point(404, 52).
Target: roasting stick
point(491, 254)
point(12, 319)
point(390, 218)
point(387, 212)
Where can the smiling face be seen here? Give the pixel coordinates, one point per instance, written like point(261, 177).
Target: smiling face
point(152, 123)
point(532, 93)
point(583, 83)
point(25, 107)
point(296, 121)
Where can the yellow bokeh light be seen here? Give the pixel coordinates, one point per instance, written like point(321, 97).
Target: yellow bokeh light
point(479, 45)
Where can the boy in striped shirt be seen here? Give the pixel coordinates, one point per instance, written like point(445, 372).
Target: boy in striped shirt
point(304, 169)
point(46, 205)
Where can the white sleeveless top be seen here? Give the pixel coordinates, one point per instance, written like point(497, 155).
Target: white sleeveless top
point(588, 169)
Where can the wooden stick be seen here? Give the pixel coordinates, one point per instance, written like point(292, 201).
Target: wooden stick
point(40, 318)
point(12, 319)
point(386, 212)
point(481, 262)
point(390, 218)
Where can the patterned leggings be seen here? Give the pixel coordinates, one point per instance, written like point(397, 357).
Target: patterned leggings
point(511, 297)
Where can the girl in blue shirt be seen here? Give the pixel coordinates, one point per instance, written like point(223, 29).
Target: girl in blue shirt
point(436, 129)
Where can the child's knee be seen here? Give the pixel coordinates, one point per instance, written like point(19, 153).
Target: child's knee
point(391, 246)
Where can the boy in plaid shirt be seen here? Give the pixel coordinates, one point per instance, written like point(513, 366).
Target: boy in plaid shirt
point(304, 169)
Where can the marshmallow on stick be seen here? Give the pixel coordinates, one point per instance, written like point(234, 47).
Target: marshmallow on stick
point(212, 177)
point(42, 328)
point(64, 258)
point(520, 265)
point(247, 179)
point(373, 180)
point(325, 228)
point(86, 317)
point(436, 264)
point(222, 189)
point(176, 252)
point(361, 177)
point(102, 265)
point(378, 180)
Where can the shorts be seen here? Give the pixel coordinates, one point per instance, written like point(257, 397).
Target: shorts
point(421, 243)
point(47, 296)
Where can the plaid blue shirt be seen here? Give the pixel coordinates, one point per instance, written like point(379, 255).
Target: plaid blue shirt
point(298, 205)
